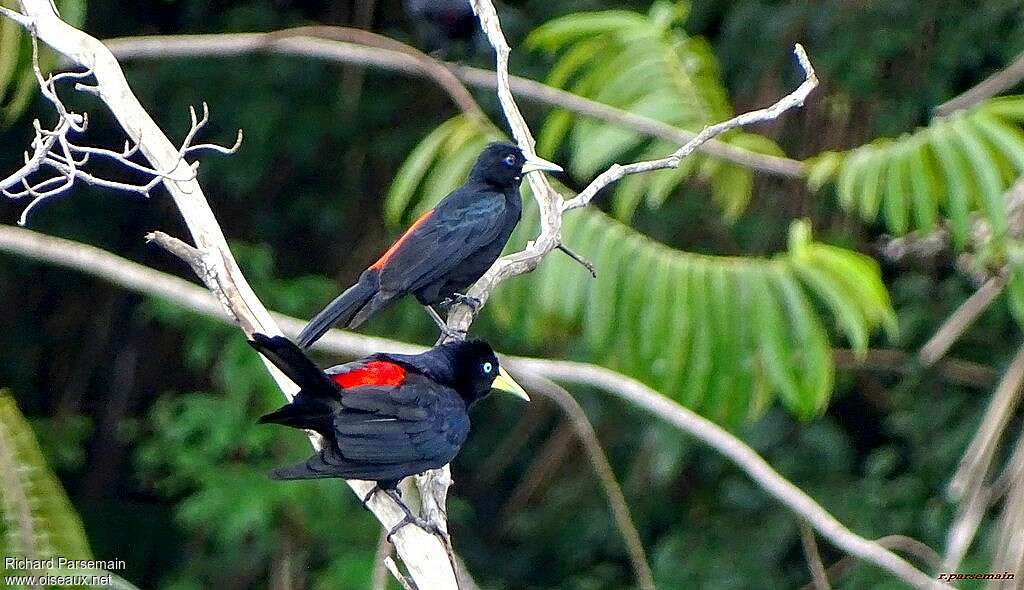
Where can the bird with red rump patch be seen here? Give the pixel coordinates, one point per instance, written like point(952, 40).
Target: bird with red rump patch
point(445, 251)
point(387, 416)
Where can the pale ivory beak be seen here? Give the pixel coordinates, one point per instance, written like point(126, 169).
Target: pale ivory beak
point(534, 164)
point(504, 382)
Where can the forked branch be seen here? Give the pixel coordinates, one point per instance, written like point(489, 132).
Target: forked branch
point(57, 161)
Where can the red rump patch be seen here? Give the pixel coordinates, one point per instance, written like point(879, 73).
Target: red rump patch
point(374, 373)
point(394, 247)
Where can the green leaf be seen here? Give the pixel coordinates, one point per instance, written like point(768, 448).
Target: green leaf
point(989, 181)
point(38, 521)
point(958, 166)
point(812, 355)
point(896, 214)
point(557, 33)
point(923, 187)
point(959, 195)
point(774, 341)
point(822, 168)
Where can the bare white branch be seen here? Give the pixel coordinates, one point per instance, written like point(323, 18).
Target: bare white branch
point(617, 172)
point(424, 555)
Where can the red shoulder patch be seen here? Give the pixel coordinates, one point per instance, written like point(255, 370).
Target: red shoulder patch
point(398, 244)
point(374, 373)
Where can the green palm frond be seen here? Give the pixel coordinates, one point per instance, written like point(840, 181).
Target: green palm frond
point(954, 171)
point(956, 167)
point(644, 64)
point(17, 81)
point(724, 335)
point(37, 520)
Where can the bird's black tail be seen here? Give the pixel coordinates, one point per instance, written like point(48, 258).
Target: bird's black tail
point(342, 310)
point(312, 407)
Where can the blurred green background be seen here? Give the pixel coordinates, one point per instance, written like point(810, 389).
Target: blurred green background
point(146, 412)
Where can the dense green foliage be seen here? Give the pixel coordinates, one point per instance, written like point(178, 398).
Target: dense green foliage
point(147, 413)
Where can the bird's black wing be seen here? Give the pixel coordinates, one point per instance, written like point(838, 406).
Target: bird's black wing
point(419, 421)
point(441, 242)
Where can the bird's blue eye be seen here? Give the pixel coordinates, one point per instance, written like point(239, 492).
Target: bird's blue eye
point(488, 367)
point(510, 160)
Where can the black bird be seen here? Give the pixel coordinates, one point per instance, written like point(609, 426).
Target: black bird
point(441, 23)
point(444, 251)
point(387, 416)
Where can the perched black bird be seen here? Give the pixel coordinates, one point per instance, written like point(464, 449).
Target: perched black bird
point(440, 23)
point(387, 416)
point(446, 250)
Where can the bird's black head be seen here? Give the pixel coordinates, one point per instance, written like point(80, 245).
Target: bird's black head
point(503, 165)
point(471, 368)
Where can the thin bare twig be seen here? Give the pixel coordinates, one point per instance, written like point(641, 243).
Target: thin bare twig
point(790, 101)
point(995, 84)
point(54, 150)
point(977, 458)
point(950, 370)
point(1009, 537)
point(603, 469)
point(923, 553)
point(960, 320)
point(439, 72)
point(141, 279)
point(819, 577)
point(969, 486)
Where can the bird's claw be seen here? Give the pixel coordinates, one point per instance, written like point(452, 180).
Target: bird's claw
point(452, 334)
point(373, 492)
point(429, 527)
point(457, 298)
point(411, 518)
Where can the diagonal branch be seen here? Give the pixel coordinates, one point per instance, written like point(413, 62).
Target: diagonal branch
point(743, 456)
point(997, 83)
point(969, 486)
point(961, 320)
point(790, 101)
point(819, 575)
point(424, 555)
